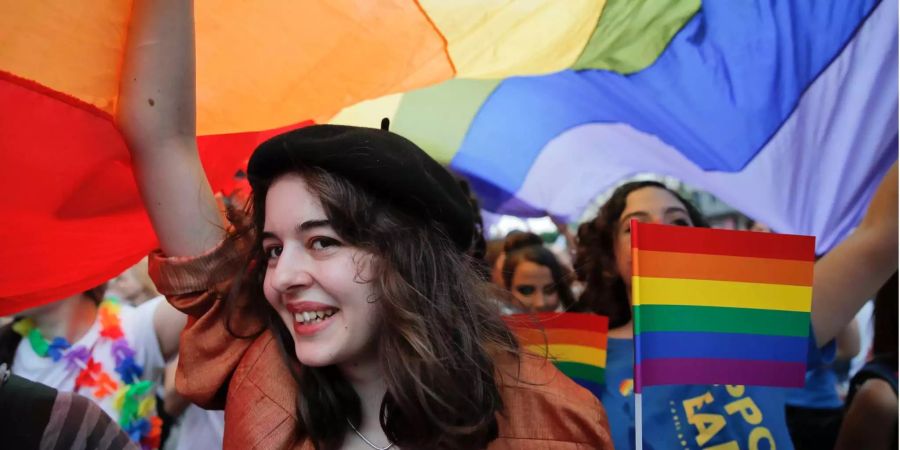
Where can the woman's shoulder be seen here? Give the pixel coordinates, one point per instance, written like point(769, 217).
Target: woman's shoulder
point(543, 405)
point(262, 399)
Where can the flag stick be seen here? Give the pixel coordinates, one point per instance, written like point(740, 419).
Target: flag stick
point(638, 423)
point(638, 383)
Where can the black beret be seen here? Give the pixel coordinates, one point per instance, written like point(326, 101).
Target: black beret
point(384, 163)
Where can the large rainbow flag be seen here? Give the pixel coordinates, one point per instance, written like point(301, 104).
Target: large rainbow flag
point(720, 306)
point(542, 104)
point(574, 342)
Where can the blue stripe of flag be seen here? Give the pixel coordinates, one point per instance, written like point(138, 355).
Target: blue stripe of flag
point(720, 90)
point(675, 344)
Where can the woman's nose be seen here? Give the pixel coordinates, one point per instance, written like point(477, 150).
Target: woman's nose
point(538, 301)
point(291, 271)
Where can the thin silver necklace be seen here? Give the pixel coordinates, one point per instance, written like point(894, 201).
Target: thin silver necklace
point(368, 442)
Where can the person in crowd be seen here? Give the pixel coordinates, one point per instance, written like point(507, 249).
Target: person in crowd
point(505, 300)
point(134, 285)
point(196, 428)
point(871, 405)
point(100, 348)
point(34, 416)
point(513, 241)
point(725, 416)
point(536, 279)
point(600, 258)
point(344, 310)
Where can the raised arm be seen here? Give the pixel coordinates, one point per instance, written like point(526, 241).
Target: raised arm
point(156, 114)
point(157, 117)
point(853, 271)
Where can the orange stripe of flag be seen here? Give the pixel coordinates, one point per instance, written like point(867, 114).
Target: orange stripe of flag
point(531, 336)
point(698, 266)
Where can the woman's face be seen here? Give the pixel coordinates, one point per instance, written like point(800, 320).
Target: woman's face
point(650, 205)
point(318, 284)
point(532, 284)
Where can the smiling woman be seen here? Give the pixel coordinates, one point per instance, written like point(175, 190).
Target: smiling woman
point(313, 281)
point(342, 312)
point(385, 274)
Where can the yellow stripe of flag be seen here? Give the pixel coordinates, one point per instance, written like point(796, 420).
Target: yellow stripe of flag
point(497, 39)
point(572, 353)
point(729, 294)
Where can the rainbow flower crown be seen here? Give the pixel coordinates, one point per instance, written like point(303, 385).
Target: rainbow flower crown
point(134, 399)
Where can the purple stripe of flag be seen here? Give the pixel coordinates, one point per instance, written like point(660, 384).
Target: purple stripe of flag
point(662, 371)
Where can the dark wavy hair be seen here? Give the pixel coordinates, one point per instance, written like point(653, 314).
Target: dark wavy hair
point(439, 335)
point(518, 239)
point(478, 250)
point(595, 260)
point(539, 255)
point(583, 238)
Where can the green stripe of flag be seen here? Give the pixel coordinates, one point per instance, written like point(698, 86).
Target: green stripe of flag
point(440, 130)
point(631, 34)
point(720, 320)
point(583, 371)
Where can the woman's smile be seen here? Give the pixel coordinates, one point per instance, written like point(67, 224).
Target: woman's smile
point(310, 317)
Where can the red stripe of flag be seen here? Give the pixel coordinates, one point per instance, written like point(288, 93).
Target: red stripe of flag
point(667, 238)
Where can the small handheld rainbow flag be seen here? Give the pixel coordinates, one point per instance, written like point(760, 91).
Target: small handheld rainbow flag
point(575, 342)
point(720, 306)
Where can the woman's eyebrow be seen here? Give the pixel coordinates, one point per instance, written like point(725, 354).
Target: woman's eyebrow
point(628, 216)
point(310, 224)
point(305, 226)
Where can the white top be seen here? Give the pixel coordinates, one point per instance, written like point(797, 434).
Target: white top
point(201, 429)
point(137, 325)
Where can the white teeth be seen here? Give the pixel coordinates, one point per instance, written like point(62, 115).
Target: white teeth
point(308, 317)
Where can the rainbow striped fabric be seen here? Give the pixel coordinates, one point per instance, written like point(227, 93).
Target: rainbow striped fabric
point(541, 104)
point(575, 342)
point(720, 306)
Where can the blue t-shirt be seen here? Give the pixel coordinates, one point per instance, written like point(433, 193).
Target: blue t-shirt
point(716, 417)
point(820, 390)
